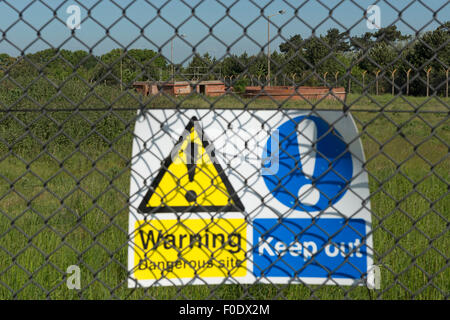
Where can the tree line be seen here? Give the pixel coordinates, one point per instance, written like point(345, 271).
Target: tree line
point(385, 58)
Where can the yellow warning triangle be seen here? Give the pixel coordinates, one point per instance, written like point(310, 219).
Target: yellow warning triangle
point(191, 179)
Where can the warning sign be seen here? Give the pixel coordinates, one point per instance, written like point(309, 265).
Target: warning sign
point(187, 222)
point(168, 249)
point(243, 196)
point(190, 179)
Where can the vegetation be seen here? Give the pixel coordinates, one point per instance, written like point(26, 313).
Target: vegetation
point(299, 61)
point(66, 183)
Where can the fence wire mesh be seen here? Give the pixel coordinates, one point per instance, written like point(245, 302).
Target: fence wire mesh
point(71, 91)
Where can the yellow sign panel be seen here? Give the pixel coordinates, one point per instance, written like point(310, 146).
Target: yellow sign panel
point(186, 248)
point(191, 179)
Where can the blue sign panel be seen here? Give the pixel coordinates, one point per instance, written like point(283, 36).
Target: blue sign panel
point(324, 169)
point(323, 248)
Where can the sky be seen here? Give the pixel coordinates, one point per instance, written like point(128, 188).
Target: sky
point(209, 29)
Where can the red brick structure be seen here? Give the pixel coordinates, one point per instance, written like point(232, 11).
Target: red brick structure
point(293, 93)
point(210, 88)
point(142, 87)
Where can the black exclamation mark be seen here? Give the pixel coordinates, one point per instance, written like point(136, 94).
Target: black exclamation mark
point(191, 164)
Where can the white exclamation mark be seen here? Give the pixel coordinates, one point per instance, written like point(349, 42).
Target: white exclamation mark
point(307, 134)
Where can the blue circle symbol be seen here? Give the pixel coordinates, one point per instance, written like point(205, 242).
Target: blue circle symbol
point(331, 174)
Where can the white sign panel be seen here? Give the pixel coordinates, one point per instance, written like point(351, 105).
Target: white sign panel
point(238, 196)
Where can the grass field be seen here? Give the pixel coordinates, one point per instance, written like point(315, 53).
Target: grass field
point(64, 182)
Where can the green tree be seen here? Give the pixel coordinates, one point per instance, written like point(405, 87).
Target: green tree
point(390, 35)
point(204, 67)
point(132, 65)
point(316, 55)
point(293, 51)
point(233, 65)
point(338, 41)
point(384, 51)
point(5, 61)
point(431, 50)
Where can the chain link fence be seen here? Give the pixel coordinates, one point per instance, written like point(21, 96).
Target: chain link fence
point(69, 71)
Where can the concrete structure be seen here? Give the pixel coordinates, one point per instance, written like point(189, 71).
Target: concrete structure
point(145, 88)
point(210, 88)
point(294, 93)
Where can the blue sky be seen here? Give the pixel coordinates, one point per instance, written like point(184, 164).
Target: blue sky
point(20, 35)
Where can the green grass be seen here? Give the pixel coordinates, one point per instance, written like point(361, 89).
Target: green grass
point(58, 207)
